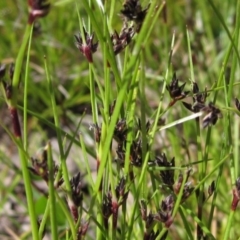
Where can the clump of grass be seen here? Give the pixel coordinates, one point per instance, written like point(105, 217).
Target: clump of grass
point(148, 181)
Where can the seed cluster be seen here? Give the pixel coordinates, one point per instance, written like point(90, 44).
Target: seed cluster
point(133, 18)
point(38, 9)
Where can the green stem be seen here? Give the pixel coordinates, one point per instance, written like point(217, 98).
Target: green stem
point(25, 100)
point(112, 9)
point(18, 65)
point(28, 189)
point(12, 103)
point(56, 121)
point(51, 193)
point(67, 214)
point(44, 220)
point(231, 88)
point(93, 94)
point(221, 19)
point(229, 225)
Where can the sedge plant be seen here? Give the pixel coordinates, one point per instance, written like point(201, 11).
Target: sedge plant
point(146, 93)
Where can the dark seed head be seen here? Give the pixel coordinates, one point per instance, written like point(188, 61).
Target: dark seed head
point(132, 11)
point(187, 191)
point(76, 186)
point(39, 164)
point(211, 189)
point(107, 208)
point(2, 71)
point(149, 220)
point(120, 132)
point(97, 132)
point(237, 104)
point(236, 195)
point(11, 70)
point(120, 189)
point(86, 45)
point(212, 115)
point(38, 9)
point(136, 153)
point(198, 99)
point(175, 91)
point(167, 176)
point(121, 40)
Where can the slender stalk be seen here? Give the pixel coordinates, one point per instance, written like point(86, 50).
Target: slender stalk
point(44, 220)
point(67, 215)
point(111, 14)
point(18, 65)
point(231, 88)
point(28, 189)
point(229, 225)
point(203, 164)
point(221, 19)
point(25, 100)
point(12, 104)
point(51, 193)
point(56, 121)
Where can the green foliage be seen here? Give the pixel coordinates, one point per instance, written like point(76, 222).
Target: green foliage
point(139, 100)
